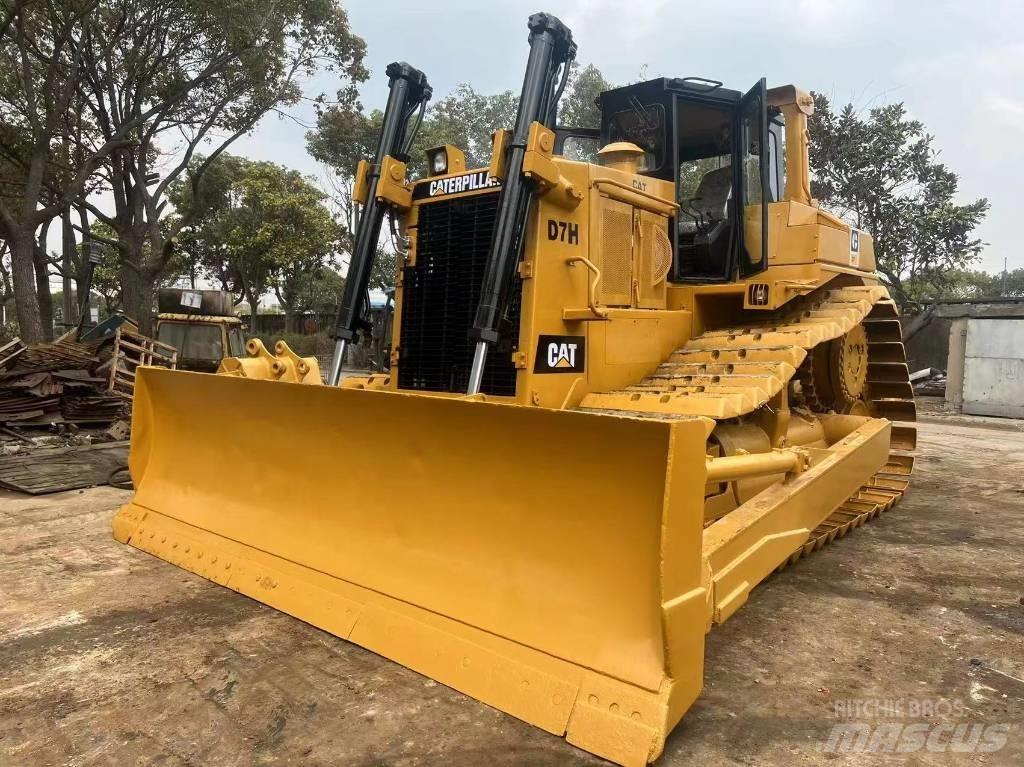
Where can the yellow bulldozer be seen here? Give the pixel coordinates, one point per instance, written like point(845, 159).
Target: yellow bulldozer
point(622, 393)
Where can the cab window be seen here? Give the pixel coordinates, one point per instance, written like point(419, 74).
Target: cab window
point(643, 125)
point(236, 342)
point(581, 148)
point(777, 155)
point(193, 341)
point(752, 159)
point(692, 172)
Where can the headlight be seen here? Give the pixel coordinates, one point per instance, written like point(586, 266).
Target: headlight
point(445, 160)
point(439, 162)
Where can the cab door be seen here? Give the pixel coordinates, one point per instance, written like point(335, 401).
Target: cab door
point(751, 188)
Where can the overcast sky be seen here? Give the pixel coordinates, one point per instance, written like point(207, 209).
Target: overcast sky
point(958, 67)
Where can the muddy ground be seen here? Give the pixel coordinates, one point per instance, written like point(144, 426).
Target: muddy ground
point(111, 657)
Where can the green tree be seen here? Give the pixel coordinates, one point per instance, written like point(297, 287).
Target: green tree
point(263, 228)
point(319, 291)
point(1010, 284)
point(198, 241)
point(345, 134)
point(881, 173)
point(55, 54)
point(466, 119)
point(382, 276)
point(38, 85)
point(245, 58)
point(966, 284)
point(579, 106)
point(306, 237)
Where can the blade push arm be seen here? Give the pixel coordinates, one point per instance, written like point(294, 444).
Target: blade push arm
point(409, 93)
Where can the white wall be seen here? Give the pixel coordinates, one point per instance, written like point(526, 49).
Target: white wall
point(994, 368)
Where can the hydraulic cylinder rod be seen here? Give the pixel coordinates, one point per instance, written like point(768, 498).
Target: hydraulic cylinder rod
point(734, 467)
point(409, 94)
point(551, 52)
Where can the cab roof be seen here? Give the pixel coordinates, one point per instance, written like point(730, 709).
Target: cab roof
point(213, 318)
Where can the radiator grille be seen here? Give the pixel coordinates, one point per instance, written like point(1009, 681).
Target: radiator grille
point(439, 299)
point(616, 254)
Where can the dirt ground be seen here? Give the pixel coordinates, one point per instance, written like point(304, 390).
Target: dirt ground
point(111, 657)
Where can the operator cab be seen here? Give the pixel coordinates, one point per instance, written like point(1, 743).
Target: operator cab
point(722, 149)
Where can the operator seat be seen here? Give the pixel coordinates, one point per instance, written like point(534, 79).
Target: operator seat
point(709, 204)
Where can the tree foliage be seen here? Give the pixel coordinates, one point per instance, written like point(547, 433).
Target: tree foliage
point(579, 109)
point(244, 59)
point(345, 134)
point(264, 228)
point(318, 291)
point(40, 58)
point(579, 106)
point(881, 172)
point(967, 284)
point(465, 118)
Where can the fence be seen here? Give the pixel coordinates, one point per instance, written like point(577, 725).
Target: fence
point(307, 325)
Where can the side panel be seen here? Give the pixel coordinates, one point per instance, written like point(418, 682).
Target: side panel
point(801, 234)
point(629, 343)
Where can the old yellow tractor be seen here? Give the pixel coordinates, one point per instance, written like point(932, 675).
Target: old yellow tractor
point(635, 370)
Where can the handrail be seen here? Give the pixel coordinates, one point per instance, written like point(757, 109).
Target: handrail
point(662, 206)
point(598, 311)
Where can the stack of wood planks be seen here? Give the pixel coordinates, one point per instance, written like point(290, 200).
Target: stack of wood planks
point(67, 381)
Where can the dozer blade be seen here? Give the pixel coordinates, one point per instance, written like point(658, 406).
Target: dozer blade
point(547, 563)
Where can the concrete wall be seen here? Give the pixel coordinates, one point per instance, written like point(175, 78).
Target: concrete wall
point(929, 347)
point(994, 368)
point(955, 368)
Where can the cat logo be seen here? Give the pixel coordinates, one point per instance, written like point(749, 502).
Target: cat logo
point(467, 182)
point(560, 354)
point(854, 247)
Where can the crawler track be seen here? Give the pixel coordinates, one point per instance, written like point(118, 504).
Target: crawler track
point(731, 372)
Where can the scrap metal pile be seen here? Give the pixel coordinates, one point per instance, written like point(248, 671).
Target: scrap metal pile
point(75, 382)
point(930, 382)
